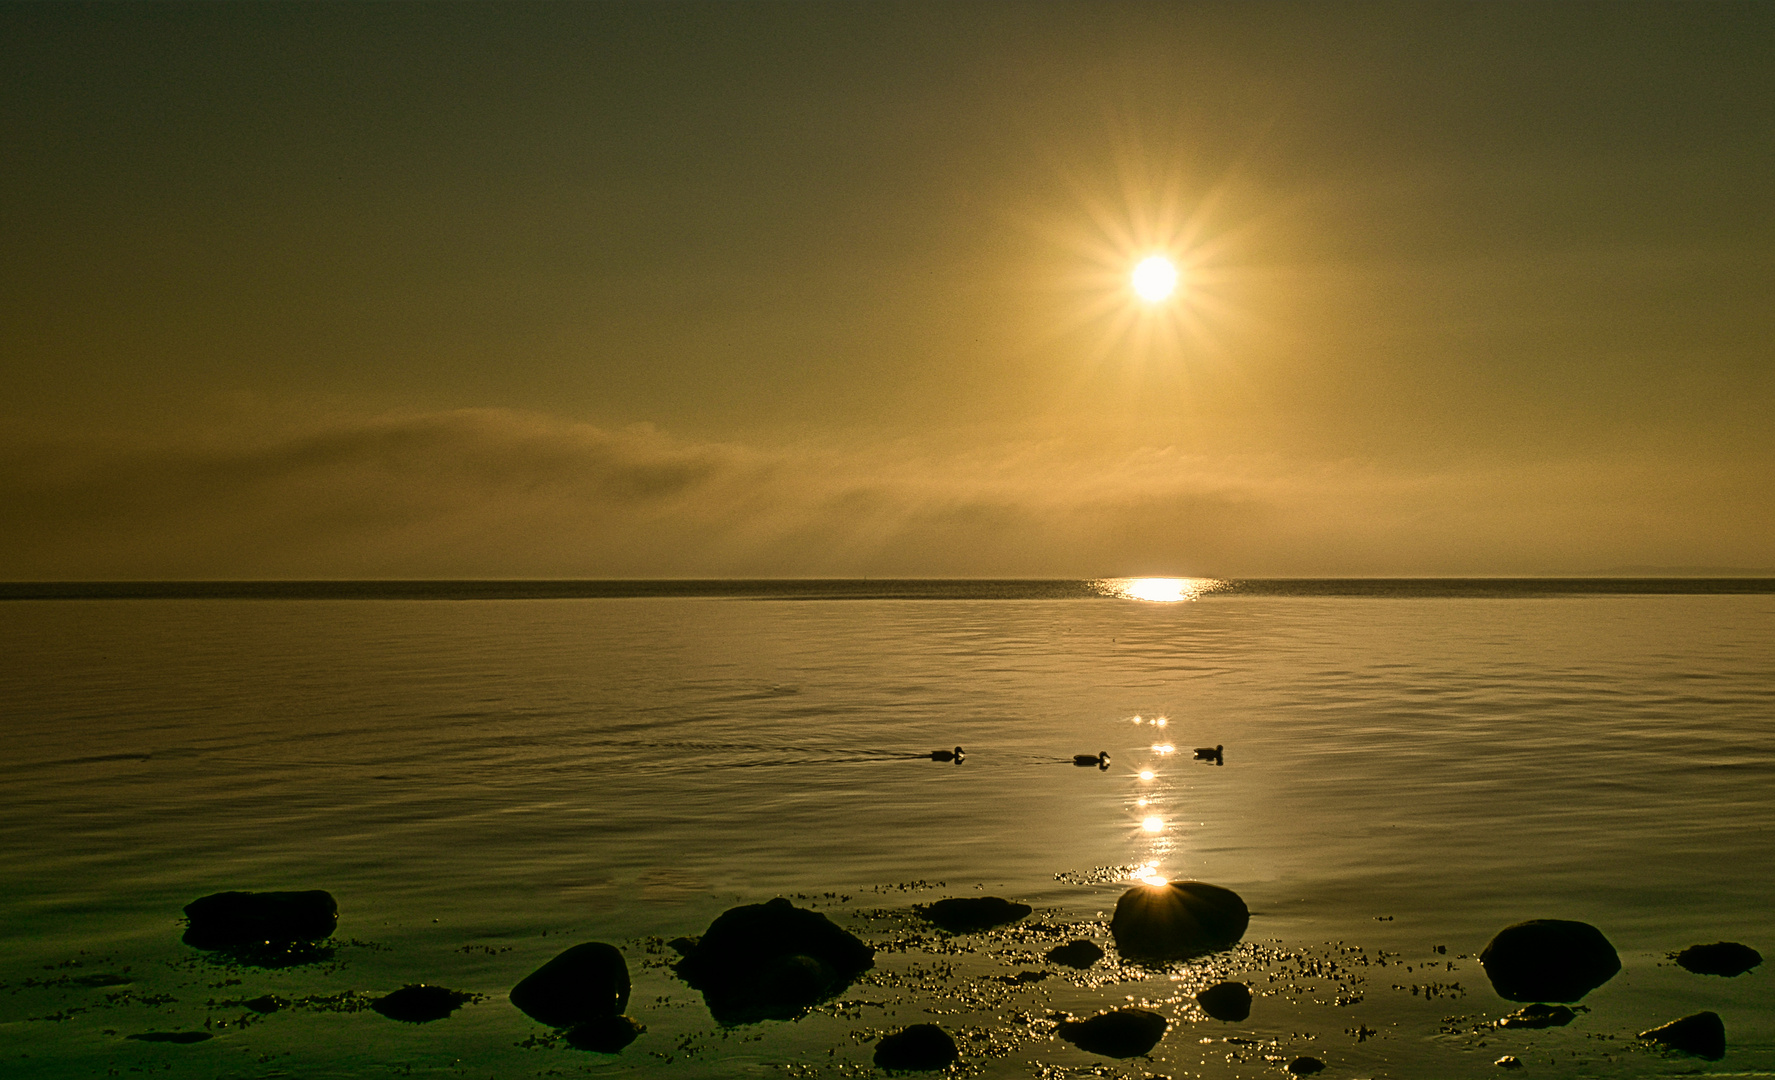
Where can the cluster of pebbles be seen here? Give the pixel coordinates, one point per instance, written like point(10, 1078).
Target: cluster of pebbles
point(776, 961)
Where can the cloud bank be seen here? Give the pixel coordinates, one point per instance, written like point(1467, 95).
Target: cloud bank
point(483, 493)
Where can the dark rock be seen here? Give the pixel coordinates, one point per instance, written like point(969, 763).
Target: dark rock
point(1548, 960)
point(585, 982)
point(1178, 920)
point(229, 919)
point(171, 1036)
point(922, 1047)
point(1121, 1033)
point(1229, 1001)
point(1538, 1016)
point(1726, 958)
point(268, 1003)
point(605, 1034)
point(1305, 1066)
point(418, 1003)
point(1508, 1061)
point(1076, 954)
point(771, 961)
point(1702, 1034)
point(968, 914)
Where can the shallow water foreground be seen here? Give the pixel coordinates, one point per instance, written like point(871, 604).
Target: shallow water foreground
point(482, 784)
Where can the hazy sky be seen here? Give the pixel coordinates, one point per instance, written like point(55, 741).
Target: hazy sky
point(587, 290)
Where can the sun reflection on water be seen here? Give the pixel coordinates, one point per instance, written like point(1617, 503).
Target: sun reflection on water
point(1158, 590)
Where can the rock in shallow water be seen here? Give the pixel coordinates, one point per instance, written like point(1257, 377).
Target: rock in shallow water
point(605, 1035)
point(1228, 1001)
point(1538, 1016)
point(585, 982)
point(1703, 1034)
point(1075, 954)
point(1548, 960)
point(171, 1036)
point(1121, 1033)
point(919, 1047)
point(419, 1003)
point(1178, 920)
point(1726, 958)
point(771, 961)
point(971, 914)
point(227, 920)
point(1305, 1066)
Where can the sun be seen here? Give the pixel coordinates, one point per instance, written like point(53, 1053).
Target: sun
point(1155, 278)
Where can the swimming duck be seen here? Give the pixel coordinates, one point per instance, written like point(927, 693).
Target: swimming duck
point(1209, 753)
point(1101, 760)
point(946, 755)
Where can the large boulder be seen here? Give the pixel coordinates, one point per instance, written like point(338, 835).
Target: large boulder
point(1178, 920)
point(1120, 1033)
point(1548, 960)
point(921, 1047)
point(1703, 1034)
point(1228, 1001)
point(970, 914)
point(771, 961)
point(585, 982)
point(1726, 958)
point(228, 920)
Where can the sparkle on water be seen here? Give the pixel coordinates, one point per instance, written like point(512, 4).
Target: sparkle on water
point(1158, 590)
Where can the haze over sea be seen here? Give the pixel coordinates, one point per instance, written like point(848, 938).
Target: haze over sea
point(485, 773)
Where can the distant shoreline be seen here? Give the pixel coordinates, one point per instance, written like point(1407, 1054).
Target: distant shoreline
point(867, 588)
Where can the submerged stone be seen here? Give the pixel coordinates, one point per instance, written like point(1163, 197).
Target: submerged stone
point(605, 1034)
point(1726, 958)
point(1120, 1033)
point(1305, 1066)
point(771, 961)
point(583, 983)
point(231, 919)
point(970, 914)
point(920, 1047)
point(1538, 1016)
point(1703, 1034)
point(1075, 954)
point(1548, 960)
point(420, 1003)
point(1229, 1001)
point(1178, 920)
point(266, 1003)
point(1508, 1061)
point(171, 1036)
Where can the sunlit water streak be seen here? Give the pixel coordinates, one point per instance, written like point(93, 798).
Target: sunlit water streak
point(473, 775)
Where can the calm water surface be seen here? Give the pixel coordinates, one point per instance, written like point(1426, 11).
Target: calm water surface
point(482, 783)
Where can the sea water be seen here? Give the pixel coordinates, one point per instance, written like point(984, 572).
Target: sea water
point(484, 781)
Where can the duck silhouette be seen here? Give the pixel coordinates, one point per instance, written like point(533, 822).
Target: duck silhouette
point(1210, 753)
point(1085, 761)
point(946, 755)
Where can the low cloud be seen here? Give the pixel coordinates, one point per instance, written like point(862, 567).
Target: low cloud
point(492, 493)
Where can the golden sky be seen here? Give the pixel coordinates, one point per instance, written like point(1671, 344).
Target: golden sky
point(588, 290)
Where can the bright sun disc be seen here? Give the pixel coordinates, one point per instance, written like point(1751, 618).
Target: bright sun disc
point(1155, 278)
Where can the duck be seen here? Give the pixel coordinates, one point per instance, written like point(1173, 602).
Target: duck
point(1209, 753)
point(947, 755)
point(1099, 759)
